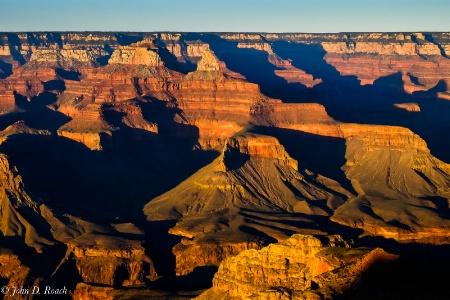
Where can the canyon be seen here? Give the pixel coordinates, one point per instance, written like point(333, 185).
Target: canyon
point(225, 165)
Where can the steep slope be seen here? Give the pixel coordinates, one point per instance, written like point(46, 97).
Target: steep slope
point(240, 178)
point(246, 197)
point(404, 195)
point(20, 215)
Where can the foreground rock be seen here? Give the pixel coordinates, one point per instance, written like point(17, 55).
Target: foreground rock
point(297, 268)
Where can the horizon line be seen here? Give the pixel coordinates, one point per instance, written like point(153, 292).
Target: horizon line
point(214, 32)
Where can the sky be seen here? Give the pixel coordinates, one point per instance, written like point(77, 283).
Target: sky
point(226, 15)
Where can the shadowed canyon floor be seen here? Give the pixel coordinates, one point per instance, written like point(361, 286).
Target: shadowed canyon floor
point(225, 166)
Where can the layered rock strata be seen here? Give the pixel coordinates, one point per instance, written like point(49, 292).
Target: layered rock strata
point(297, 268)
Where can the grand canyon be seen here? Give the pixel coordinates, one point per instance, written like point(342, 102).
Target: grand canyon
point(260, 166)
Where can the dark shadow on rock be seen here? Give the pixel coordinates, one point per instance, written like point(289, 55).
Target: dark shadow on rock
point(35, 112)
point(254, 65)
point(5, 69)
point(126, 135)
point(135, 166)
point(103, 60)
point(15, 46)
point(441, 205)
point(399, 279)
point(68, 74)
point(41, 264)
point(303, 221)
point(234, 159)
point(347, 101)
point(159, 244)
point(67, 274)
point(55, 38)
point(120, 275)
point(199, 279)
point(126, 39)
point(320, 154)
point(258, 234)
point(55, 85)
point(429, 38)
point(170, 60)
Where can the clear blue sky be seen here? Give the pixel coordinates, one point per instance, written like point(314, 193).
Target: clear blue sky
point(225, 15)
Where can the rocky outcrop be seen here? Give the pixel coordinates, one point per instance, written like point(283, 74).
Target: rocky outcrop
point(111, 261)
point(297, 268)
point(89, 292)
point(69, 59)
point(141, 53)
point(90, 125)
point(18, 276)
point(89, 128)
point(19, 128)
point(7, 101)
point(190, 254)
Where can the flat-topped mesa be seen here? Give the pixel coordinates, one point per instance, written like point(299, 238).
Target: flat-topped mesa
point(257, 46)
point(258, 146)
point(140, 53)
point(290, 114)
point(398, 193)
point(371, 136)
point(393, 48)
point(394, 137)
